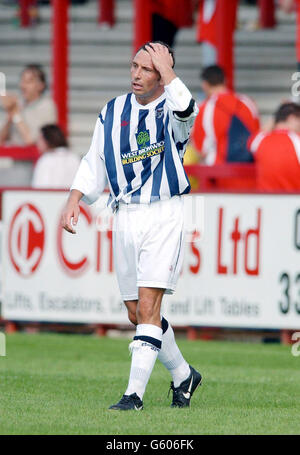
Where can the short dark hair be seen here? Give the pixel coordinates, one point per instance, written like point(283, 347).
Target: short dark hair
point(171, 51)
point(213, 74)
point(285, 110)
point(38, 71)
point(54, 136)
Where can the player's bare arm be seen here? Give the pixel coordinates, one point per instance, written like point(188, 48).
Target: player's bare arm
point(162, 61)
point(71, 211)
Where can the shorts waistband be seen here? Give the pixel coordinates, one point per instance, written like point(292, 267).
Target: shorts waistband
point(126, 206)
point(133, 206)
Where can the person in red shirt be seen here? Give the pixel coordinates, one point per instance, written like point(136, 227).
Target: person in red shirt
point(215, 29)
point(225, 121)
point(277, 153)
point(207, 31)
point(168, 16)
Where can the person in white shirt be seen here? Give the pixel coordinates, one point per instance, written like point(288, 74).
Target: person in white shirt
point(137, 148)
point(57, 166)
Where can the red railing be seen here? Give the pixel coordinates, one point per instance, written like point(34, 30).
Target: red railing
point(20, 153)
point(203, 178)
point(222, 176)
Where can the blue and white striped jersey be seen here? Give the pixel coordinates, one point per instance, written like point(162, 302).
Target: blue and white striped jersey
point(138, 150)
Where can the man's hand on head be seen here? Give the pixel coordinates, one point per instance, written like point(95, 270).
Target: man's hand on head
point(162, 61)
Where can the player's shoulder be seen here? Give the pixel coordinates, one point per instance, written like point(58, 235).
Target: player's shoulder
point(45, 101)
point(295, 138)
point(120, 98)
point(278, 135)
point(256, 139)
point(46, 159)
point(281, 140)
point(113, 105)
point(248, 102)
point(203, 104)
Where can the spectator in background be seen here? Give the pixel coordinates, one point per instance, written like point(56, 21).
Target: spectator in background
point(224, 123)
point(207, 27)
point(168, 16)
point(25, 117)
point(57, 166)
point(277, 153)
point(27, 13)
point(207, 31)
point(266, 17)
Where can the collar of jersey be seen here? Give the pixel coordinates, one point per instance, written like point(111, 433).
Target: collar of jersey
point(149, 105)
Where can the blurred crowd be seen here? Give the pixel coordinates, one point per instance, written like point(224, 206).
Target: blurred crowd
point(227, 128)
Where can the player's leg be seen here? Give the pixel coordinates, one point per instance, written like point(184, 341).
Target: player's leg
point(185, 378)
point(156, 265)
point(169, 354)
point(149, 304)
point(144, 347)
point(172, 358)
point(160, 263)
point(125, 260)
point(147, 341)
point(131, 309)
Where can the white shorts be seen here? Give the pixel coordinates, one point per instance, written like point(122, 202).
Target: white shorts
point(148, 245)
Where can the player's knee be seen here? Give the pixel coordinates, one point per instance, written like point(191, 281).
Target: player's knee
point(145, 311)
point(132, 317)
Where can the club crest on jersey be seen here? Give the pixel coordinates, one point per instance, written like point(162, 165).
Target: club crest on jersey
point(142, 138)
point(159, 112)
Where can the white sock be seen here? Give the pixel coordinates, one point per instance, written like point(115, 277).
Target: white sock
point(144, 349)
point(171, 357)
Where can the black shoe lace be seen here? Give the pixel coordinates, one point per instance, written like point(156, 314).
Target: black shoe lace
point(171, 388)
point(176, 395)
point(125, 399)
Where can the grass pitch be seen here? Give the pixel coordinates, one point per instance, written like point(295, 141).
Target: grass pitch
point(63, 384)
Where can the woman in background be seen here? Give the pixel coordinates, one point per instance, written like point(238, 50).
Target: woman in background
point(25, 115)
point(57, 166)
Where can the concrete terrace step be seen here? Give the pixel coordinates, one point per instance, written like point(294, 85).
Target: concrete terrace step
point(111, 56)
point(121, 37)
point(282, 35)
point(42, 37)
point(118, 76)
point(89, 11)
point(90, 64)
point(83, 13)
